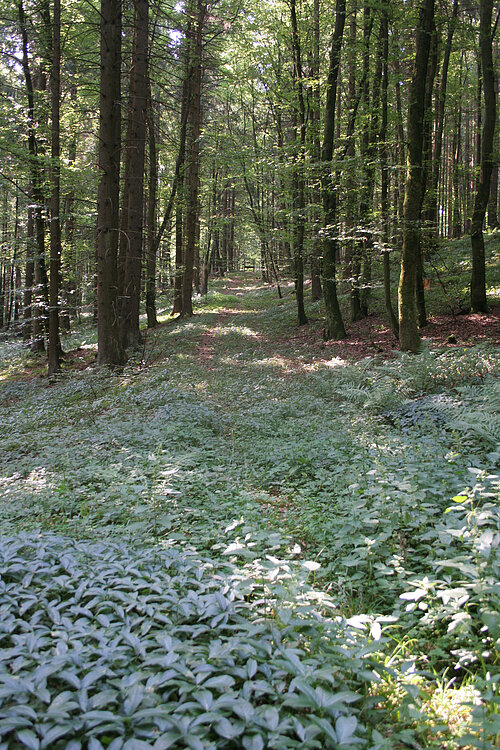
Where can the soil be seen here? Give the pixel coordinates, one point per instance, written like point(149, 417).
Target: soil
point(304, 346)
point(372, 336)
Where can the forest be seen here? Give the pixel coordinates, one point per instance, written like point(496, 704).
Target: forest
point(249, 374)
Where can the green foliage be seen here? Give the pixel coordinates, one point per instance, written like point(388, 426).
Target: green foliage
point(112, 646)
point(270, 480)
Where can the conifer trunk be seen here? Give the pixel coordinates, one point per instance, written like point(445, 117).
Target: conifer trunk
point(110, 351)
point(478, 279)
point(193, 166)
point(409, 337)
point(334, 324)
point(131, 235)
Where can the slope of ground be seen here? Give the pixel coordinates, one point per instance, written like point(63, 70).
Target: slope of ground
point(347, 506)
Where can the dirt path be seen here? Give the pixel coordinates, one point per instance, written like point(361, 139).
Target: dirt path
point(301, 348)
point(206, 346)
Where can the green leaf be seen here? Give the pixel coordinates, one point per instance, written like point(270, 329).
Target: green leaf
point(28, 739)
point(345, 726)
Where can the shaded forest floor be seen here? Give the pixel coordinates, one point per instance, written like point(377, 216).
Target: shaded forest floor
point(331, 512)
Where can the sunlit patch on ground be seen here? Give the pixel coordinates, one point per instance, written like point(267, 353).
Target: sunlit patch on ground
point(250, 438)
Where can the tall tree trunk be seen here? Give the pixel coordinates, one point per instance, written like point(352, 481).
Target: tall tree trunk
point(151, 220)
point(432, 193)
point(457, 157)
point(409, 337)
point(316, 290)
point(334, 324)
point(72, 278)
point(368, 147)
point(36, 190)
point(29, 277)
point(426, 173)
point(179, 247)
point(110, 351)
point(478, 278)
point(131, 237)
point(193, 167)
point(384, 189)
point(298, 173)
point(179, 181)
point(493, 200)
point(352, 267)
point(54, 345)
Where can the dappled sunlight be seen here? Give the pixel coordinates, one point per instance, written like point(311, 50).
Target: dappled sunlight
point(453, 704)
point(289, 365)
point(282, 363)
point(331, 364)
point(300, 466)
point(239, 330)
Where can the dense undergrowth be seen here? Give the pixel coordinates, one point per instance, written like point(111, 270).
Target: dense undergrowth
point(223, 546)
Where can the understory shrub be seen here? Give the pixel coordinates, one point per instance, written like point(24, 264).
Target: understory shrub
point(104, 645)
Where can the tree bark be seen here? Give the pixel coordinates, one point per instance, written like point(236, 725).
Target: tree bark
point(334, 324)
point(409, 337)
point(383, 150)
point(193, 167)
point(29, 277)
point(177, 192)
point(39, 274)
point(478, 278)
point(298, 173)
point(54, 344)
point(316, 290)
point(131, 236)
point(110, 352)
point(151, 220)
point(368, 148)
point(426, 173)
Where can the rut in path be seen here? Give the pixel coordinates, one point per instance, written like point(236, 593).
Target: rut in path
point(206, 346)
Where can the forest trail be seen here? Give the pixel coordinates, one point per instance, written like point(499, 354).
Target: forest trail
point(243, 440)
point(300, 348)
point(206, 346)
point(233, 288)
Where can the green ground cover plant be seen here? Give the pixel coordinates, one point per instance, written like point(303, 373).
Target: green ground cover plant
point(233, 543)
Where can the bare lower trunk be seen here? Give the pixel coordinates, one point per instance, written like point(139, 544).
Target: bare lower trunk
point(131, 237)
point(478, 279)
point(110, 351)
point(409, 337)
point(151, 223)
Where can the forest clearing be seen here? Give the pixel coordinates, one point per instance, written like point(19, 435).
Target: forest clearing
point(250, 538)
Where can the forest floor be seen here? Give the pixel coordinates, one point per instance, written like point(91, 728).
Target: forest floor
point(330, 510)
